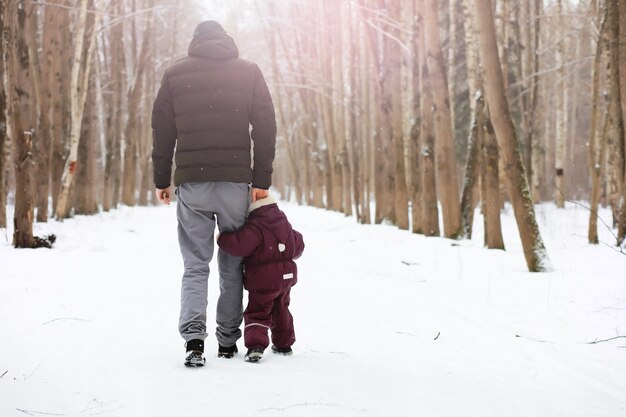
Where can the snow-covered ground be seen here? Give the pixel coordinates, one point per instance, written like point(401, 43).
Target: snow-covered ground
point(388, 324)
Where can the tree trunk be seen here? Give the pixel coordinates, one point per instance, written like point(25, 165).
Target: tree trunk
point(3, 122)
point(561, 112)
point(447, 178)
point(84, 190)
point(472, 166)
point(490, 185)
point(18, 81)
point(60, 99)
point(533, 139)
point(113, 159)
point(77, 92)
point(621, 231)
point(132, 133)
point(354, 145)
point(415, 191)
point(614, 121)
point(427, 152)
point(452, 45)
point(597, 142)
point(391, 87)
point(534, 249)
point(339, 116)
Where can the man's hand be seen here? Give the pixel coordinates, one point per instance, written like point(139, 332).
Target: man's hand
point(164, 195)
point(258, 193)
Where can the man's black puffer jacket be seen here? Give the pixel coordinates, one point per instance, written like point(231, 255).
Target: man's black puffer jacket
point(204, 109)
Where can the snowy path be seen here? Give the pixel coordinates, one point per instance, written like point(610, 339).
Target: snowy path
point(90, 327)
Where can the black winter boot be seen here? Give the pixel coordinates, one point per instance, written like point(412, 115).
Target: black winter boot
point(195, 353)
point(226, 352)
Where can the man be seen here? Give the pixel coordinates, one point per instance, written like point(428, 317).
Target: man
point(204, 109)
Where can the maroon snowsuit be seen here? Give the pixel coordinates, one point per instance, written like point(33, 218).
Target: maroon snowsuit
point(269, 246)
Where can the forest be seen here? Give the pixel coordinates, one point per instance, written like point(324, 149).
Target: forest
point(409, 112)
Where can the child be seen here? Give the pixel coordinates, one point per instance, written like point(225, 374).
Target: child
point(269, 245)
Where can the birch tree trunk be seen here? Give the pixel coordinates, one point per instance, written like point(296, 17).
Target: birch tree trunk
point(475, 143)
point(534, 250)
point(447, 178)
point(561, 112)
point(76, 110)
point(472, 166)
point(533, 139)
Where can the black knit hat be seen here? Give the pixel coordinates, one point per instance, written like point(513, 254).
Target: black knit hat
point(208, 26)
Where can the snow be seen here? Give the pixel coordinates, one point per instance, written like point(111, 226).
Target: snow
point(388, 324)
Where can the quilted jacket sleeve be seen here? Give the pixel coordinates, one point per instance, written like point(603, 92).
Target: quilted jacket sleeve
point(164, 134)
point(240, 243)
point(263, 121)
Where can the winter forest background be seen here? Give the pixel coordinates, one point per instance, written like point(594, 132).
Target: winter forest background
point(381, 106)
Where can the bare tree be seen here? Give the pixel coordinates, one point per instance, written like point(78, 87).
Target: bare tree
point(81, 67)
point(614, 128)
point(447, 180)
point(597, 144)
point(561, 112)
point(534, 250)
point(18, 82)
point(3, 123)
point(427, 151)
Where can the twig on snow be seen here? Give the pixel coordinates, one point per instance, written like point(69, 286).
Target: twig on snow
point(30, 413)
point(604, 340)
point(437, 337)
point(596, 341)
point(5, 372)
point(534, 340)
point(407, 263)
point(64, 318)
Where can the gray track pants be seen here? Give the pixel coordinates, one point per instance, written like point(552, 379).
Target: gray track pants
point(199, 206)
